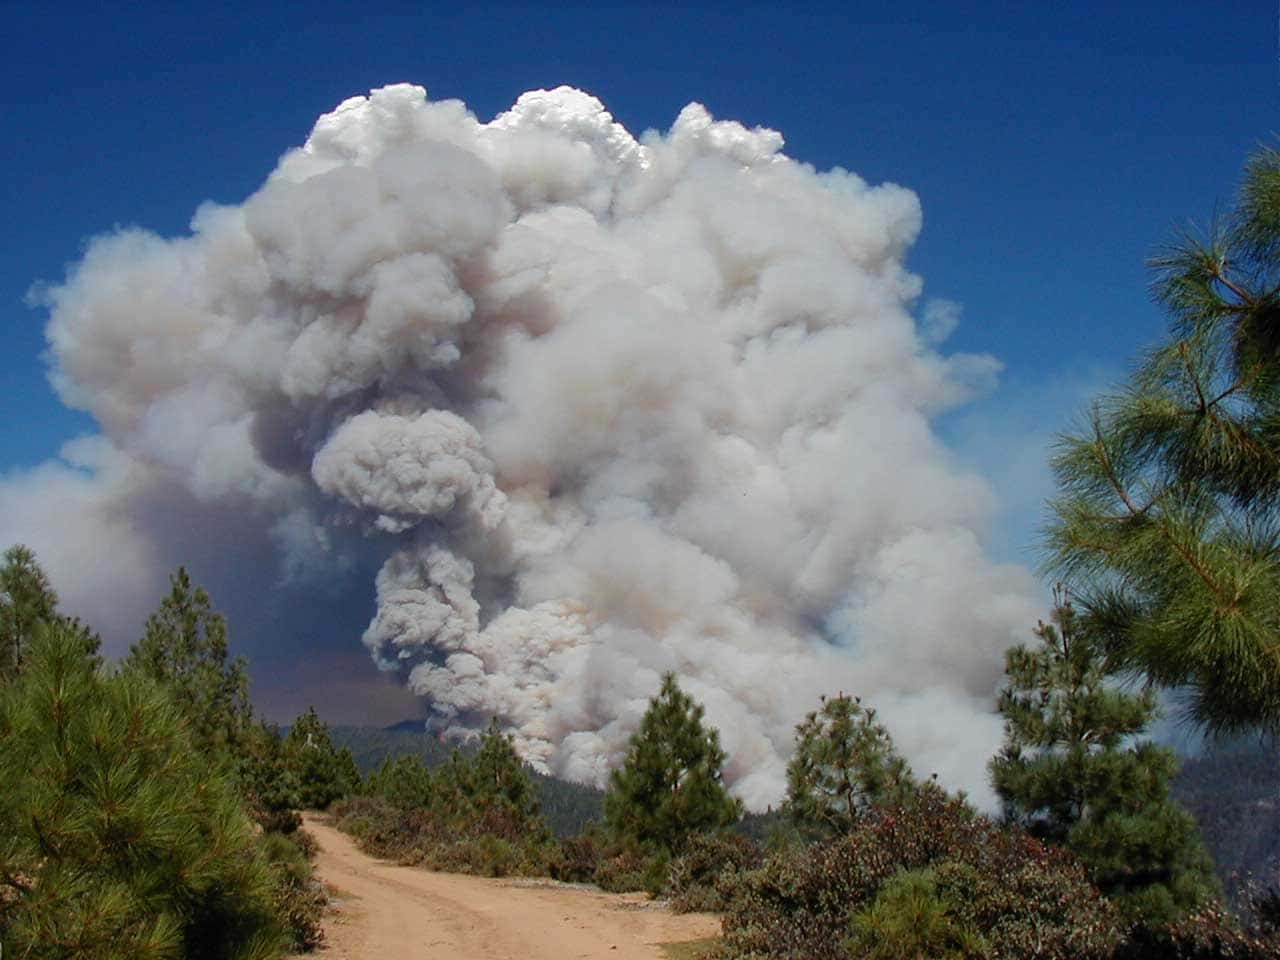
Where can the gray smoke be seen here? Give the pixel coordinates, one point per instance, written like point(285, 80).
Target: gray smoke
point(602, 408)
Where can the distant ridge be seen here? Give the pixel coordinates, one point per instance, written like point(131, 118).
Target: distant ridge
point(417, 725)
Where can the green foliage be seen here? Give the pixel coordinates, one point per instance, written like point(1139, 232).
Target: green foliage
point(669, 786)
point(323, 773)
point(498, 777)
point(1072, 772)
point(567, 807)
point(1021, 897)
point(1166, 518)
point(184, 647)
point(912, 916)
point(488, 841)
point(117, 837)
point(268, 780)
point(844, 764)
point(477, 813)
point(404, 782)
point(27, 599)
point(299, 901)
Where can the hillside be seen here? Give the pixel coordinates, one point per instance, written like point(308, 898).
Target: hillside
point(1233, 790)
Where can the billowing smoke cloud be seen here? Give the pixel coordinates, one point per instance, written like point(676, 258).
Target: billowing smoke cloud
point(600, 407)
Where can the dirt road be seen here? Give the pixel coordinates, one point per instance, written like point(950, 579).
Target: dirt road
point(389, 912)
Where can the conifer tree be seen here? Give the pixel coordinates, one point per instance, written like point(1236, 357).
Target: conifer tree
point(323, 773)
point(844, 764)
point(499, 777)
point(117, 839)
point(404, 782)
point(1073, 771)
point(184, 647)
point(26, 599)
point(268, 779)
point(1167, 517)
point(451, 784)
point(669, 785)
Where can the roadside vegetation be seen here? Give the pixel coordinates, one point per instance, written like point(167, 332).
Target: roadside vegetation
point(147, 813)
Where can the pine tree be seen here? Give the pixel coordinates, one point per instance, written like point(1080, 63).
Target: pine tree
point(184, 647)
point(669, 786)
point(499, 778)
point(323, 773)
point(117, 840)
point(1168, 518)
point(404, 782)
point(26, 599)
point(844, 764)
point(268, 780)
point(1073, 771)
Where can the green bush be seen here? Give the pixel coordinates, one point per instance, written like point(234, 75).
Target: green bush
point(913, 916)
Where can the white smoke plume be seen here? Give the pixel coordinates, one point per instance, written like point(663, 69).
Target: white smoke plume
point(602, 407)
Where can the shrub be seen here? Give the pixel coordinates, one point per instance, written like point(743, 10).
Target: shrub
point(631, 870)
point(306, 842)
point(493, 841)
point(578, 860)
point(1209, 933)
point(361, 816)
point(1022, 897)
point(698, 881)
point(913, 916)
point(299, 900)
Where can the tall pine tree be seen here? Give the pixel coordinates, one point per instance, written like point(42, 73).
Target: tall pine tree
point(669, 786)
point(1074, 771)
point(184, 647)
point(499, 778)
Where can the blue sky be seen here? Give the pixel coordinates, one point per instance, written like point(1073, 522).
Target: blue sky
point(1052, 146)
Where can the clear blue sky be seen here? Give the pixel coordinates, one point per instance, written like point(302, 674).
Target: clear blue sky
point(1051, 145)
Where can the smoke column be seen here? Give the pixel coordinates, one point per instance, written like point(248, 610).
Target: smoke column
point(600, 407)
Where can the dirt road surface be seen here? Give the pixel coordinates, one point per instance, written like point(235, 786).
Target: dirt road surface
point(389, 912)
